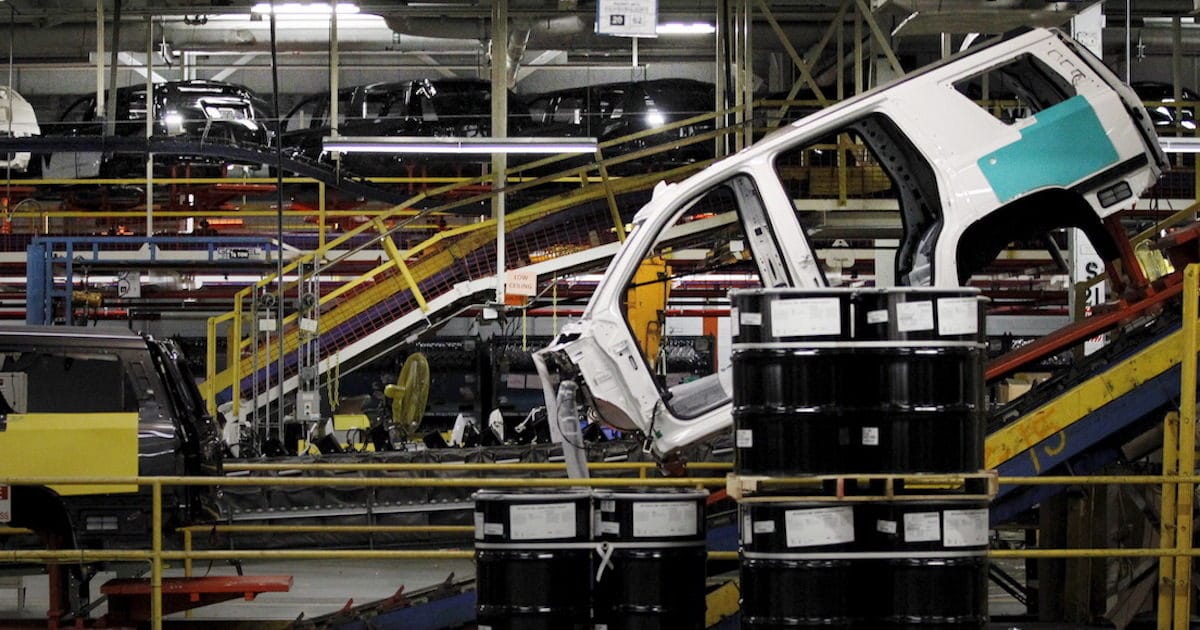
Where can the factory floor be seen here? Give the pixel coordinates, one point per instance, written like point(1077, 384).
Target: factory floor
point(324, 587)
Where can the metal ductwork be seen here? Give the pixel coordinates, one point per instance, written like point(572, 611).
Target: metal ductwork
point(1157, 40)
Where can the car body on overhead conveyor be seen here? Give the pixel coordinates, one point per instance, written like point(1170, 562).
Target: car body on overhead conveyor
point(966, 181)
point(202, 112)
point(446, 107)
point(612, 111)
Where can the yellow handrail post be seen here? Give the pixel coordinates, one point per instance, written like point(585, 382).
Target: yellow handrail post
point(233, 363)
point(156, 567)
point(1187, 447)
point(187, 562)
point(618, 224)
point(1166, 526)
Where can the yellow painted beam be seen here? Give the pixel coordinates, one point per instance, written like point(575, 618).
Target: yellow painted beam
point(1166, 566)
point(1187, 447)
point(1052, 418)
point(393, 252)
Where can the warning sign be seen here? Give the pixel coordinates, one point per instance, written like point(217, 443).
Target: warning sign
point(520, 282)
point(5, 504)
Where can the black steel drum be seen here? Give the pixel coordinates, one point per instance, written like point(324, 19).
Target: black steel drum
point(533, 559)
point(850, 400)
point(916, 565)
point(799, 566)
point(651, 564)
point(933, 557)
point(866, 314)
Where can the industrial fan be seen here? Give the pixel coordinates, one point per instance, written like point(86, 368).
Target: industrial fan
point(409, 394)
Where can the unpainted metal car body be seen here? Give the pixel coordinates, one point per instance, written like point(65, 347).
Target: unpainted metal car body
point(967, 181)
point(17, 120)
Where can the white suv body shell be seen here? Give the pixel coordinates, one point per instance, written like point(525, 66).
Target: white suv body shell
point(981, 165)
point(18, 120)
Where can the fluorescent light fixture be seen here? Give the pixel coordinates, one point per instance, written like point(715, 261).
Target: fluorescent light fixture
point(424, 144)
point(305, 8)
point(1179, 145)
point(685, 28)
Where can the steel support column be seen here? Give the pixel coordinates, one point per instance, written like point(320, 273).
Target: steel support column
point(499, 130)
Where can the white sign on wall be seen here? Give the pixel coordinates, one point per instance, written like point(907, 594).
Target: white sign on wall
point(520, 282)
point(5, 503)
point(627, 18)
point(129, 284)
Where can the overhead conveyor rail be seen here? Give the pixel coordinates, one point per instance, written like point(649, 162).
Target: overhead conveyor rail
point(247, 154)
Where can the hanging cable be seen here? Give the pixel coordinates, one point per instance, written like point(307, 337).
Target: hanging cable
point(12, 17)
point(279, 310)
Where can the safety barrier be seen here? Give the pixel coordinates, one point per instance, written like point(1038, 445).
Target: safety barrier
point(157, 555)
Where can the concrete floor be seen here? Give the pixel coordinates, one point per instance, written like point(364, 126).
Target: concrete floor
point(324, 587)
point(317, 588)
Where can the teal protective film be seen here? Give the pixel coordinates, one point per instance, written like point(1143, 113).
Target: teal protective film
point(1065, 144)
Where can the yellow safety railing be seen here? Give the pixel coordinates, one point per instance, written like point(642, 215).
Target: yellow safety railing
point(437, 252)
point(157, 556)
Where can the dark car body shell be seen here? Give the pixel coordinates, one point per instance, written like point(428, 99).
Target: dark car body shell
point(175, 435)
point(445, 107)
point(614, 110)
point(203, 111)
point(1158, 98)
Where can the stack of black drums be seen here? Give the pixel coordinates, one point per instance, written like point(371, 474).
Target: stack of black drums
point(870, 390)
point(606, 559)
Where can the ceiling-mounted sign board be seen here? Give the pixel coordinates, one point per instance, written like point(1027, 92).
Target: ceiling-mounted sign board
point(627, 18)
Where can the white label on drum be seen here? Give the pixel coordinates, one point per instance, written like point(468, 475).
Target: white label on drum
point(750, 319)
point(877, 317)
point(821, 526)
point(958, 316)
point(608, 505)
point(886, 527)
point(914, 316)
point(542, 520)
point(870, 436)
point(493, 529)
point(747, 529)
point(922, 527)
point(610, 527)
point(479, 524)
point(764, 527)
point(966, 528)
point(745, 438)
point(806, 317)
point(664, 518)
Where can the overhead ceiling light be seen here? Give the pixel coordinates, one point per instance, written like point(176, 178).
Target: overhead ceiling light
point(1179, 145)
point(423, 144)
point(305, 8)
point(685, 28)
